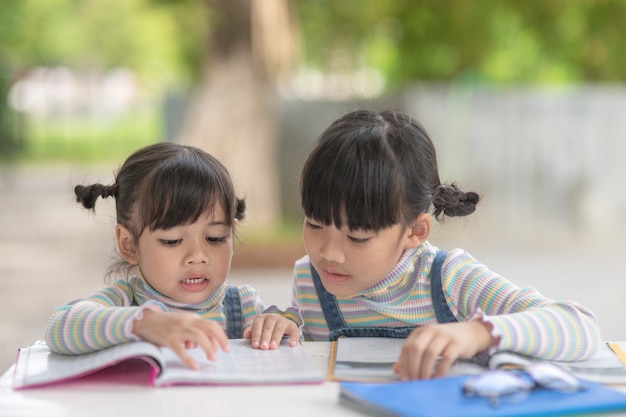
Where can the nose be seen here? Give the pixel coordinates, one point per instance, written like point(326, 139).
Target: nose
point(196, 253)
point(331, 249)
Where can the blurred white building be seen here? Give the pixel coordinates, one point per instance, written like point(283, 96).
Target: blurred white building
point(49, 91)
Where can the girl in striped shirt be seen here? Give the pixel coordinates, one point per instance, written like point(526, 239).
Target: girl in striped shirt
point(367, 190)
point(176, 216)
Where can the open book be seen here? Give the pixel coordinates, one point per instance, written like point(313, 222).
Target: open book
point(370, 359)
point(36, 365)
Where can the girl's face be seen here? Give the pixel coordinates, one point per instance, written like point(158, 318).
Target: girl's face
point(350, 261)
point(186, 263)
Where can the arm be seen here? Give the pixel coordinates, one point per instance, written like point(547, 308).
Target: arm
point(494, 314)
point(99, 321)
point(108, 318)
point(521, 319)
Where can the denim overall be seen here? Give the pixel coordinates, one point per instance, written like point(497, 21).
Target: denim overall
point(337, 325)
point(232, 310)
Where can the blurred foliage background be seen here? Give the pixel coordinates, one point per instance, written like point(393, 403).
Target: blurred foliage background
point(90, 81)
point(165, 43)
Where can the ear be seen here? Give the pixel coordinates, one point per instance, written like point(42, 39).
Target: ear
point(419, 231)
point(126, 244)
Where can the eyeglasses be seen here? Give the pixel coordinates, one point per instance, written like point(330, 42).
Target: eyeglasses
point(516, 385)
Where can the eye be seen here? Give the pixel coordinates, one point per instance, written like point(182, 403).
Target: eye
point(312, 225)
point(216, 240)
point(360, 235)
point(359, 239)
point(169, 242)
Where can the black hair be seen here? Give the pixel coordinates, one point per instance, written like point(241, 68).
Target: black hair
point(375, 169)
point(166, 185)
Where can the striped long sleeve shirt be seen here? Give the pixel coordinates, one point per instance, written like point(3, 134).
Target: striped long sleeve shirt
point(106, 318)
point(523, 320)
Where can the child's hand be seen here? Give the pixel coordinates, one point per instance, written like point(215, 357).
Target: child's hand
point(267, 331)
point(447, 342)
point(181, 331)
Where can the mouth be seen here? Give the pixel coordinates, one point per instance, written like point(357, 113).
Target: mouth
point(194, 284)
point(334, 277)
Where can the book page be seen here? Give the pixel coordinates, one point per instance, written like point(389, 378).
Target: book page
point(365, 358)
point(243, 365)
point(604, 367)
point(37, 365)
point(371, 359)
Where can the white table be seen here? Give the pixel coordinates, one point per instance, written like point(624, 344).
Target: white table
point(87, 398)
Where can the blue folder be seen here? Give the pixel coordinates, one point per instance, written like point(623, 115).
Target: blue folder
point(443, 397)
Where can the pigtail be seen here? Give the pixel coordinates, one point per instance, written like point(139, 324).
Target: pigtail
point(87, 195)
point(240, 210)
point(451, 201)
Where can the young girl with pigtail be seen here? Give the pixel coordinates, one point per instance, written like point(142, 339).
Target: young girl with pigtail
point(177, 214)
point(370, 189)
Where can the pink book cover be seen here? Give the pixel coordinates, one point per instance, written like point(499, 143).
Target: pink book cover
point(37, 366)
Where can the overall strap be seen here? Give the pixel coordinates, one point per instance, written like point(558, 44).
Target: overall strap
point(328, 302)
point(336, 324)
point(232, 309)
point(442, 310)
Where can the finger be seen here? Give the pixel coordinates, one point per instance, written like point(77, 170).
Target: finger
point(444, 365)
point(256, 331)
point(396, 368)
point(208, 345)
point(412, 354)
point(247, 332)
point(185, 357)
point(431, 356)
point(293, 331)
point(404, 364)
point(401, 367)
point(214, 331)
point(448, 357)
point(427, 364)
point(278, 333)
point(267, 331)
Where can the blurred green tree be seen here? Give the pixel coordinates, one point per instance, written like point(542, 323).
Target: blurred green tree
point(496, 41)
point(237, 54)
point(251, 51)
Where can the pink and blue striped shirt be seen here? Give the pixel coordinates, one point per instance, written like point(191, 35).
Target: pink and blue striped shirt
point(106, 318)
point(523, 320)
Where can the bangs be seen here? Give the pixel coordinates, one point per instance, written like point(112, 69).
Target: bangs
point(353, 181)
point(181, 191)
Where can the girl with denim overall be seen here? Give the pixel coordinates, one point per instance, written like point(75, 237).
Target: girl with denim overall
point(338, 327)
point(367, 188)
point(176, 216)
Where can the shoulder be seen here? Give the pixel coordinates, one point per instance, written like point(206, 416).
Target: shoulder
point(302, 266)
point(246, 291)
point(302, 274)
point(460, 258)
point(119, 293)
point(453, 262)
point(463, 272)
point(427, 252)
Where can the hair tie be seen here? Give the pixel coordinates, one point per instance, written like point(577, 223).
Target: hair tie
point(109, 191)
